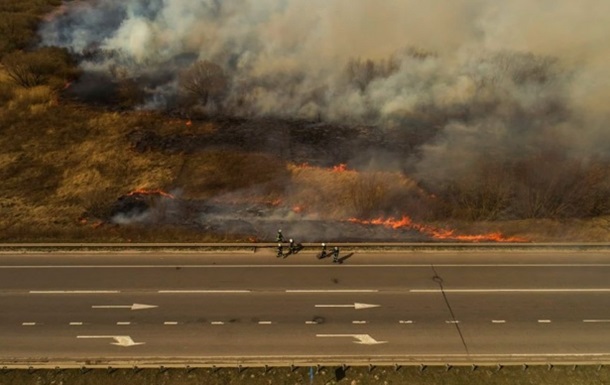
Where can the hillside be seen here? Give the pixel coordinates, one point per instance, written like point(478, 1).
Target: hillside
point(77, 169)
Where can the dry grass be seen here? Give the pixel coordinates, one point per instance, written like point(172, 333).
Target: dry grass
point(63, 162)
point(347, 193)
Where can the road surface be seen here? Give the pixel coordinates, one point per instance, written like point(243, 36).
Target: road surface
point(227, 308)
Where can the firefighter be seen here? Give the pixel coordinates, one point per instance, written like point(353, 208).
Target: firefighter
point(280, 236)
point(280, 250)
point(336, 255)
point(292, 246)
point(323, 253)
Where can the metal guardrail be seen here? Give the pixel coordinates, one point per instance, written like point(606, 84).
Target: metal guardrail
point(436, 246)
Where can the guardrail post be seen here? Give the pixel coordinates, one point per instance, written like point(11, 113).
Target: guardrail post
point(422, 367)
point(396, 367)
point(474, 367)
point(371, 367)
point(524, 367)
point(549, 366)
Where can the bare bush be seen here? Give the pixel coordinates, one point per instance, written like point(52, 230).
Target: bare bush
point(205, 82)
point(47, 66)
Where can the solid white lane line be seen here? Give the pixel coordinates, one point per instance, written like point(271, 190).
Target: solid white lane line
point(264, 322)
point(74, 291)
point(203, 291)
point(123, 323)
point(28, 323)
point(217, 323)
point(452, 322)
point(311, 323)
point(334, 291)
point(544, 321)
point(359, 322)
point(498, 321)
point(600, 290)
point(76, 323)
point(170, 323)
point(596, 320)
point(405, 322)
point(352, 266)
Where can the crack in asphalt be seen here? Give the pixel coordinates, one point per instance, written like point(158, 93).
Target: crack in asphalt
point(437, 278)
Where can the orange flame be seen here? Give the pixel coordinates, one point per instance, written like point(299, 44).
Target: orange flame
point(435, 232)
point(151, 192)
point(342, 167)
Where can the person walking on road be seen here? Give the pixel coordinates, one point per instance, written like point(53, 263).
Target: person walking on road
point(280, 250)
point(323, 254)
point(280, 236)
point(292, 246)
point(336, 255)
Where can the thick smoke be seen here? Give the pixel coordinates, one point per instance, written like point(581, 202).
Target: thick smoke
point(478, 78)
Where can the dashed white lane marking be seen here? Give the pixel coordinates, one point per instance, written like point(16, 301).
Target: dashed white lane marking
point(544, 321)
point(264, 322)
point(203, 291)
point(334, 291)
point(498, 321)
point(358, 322)
point(600, 290)
point(28, 323)
point(405, 322)
point(596, 320)
point(217, 323)
point(170, 323)
point(452, 322)
point(76, 323)
point(123, 323)
point(74, 291)
point(311, 323)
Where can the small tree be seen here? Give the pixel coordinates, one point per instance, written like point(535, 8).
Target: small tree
point(206, 82)
point(47, 66)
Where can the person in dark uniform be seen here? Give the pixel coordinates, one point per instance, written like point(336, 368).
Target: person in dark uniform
point(280, 250)
point(336, 255)
point(323, 254)
point(280, 236)
point(292, 246)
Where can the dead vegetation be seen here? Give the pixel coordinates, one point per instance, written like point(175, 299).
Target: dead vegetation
point(65, 164)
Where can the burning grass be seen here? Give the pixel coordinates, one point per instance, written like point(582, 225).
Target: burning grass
point(437, 233)
point(64, 166)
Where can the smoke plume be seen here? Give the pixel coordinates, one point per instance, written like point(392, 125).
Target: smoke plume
point(479, 78)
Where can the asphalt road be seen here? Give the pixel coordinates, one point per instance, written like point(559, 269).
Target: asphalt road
point(228, 308)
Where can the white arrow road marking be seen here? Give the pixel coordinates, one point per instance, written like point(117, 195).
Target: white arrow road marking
point(120, 340)
point(356, 306)
point(135, 306)
point(363, 339)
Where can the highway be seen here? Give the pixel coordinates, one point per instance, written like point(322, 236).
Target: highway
point(225, 308)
